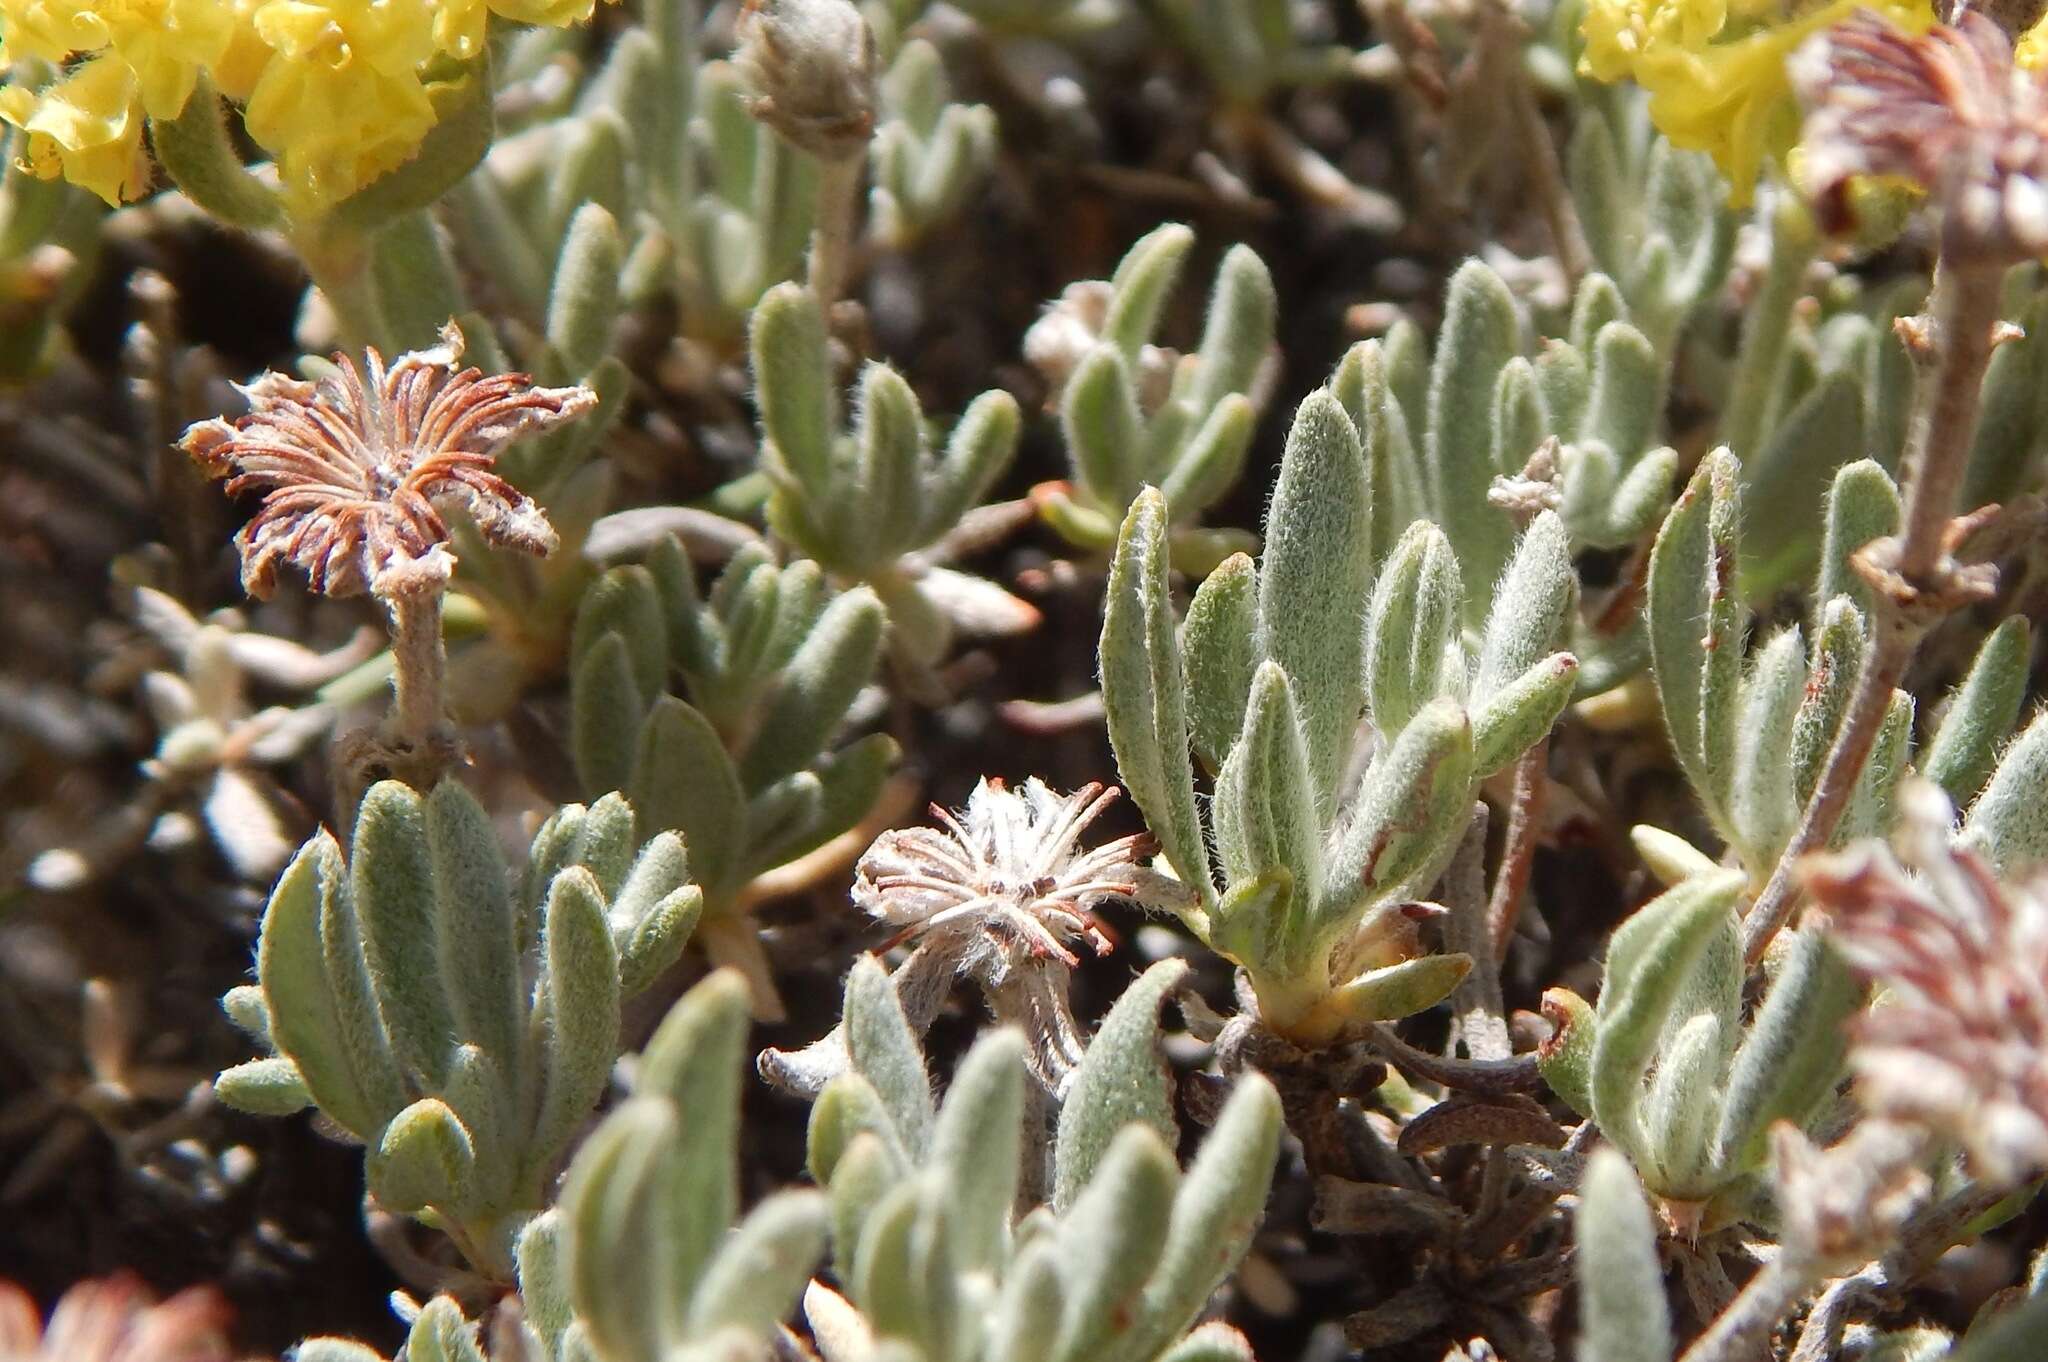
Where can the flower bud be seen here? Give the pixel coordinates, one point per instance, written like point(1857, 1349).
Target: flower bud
point(811, 67)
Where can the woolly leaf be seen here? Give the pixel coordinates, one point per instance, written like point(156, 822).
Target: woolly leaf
point(884, 1050)
point(1696, 625)
point(1980, 714)
point(422, 1159)
point(2008, 825)
point(1264, 808)
point(1218, 640)
point(1111, 1240)
point(1863, 504)
point(392, 879)
point(264, 1087)
point(1411, 625)
point(759, 1271)
point(1314, 572)
point(478, 939)
point(1221, 1202)
point(978, 1141)
point(579, 1028)
point(1794, 1053)
point(1480, 335)
point(1122, 1080)
point(1622, 1305)
point(1144, 691)
point(322, 1017)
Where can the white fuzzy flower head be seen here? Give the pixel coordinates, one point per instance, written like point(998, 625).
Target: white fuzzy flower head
point(1006, 878)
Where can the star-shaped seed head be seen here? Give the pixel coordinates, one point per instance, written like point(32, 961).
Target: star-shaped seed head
point(352, 468)
point(1008, 874)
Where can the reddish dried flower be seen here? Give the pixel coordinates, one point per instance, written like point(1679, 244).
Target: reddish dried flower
point(114, 1320)
point(352, 468)
point(1960, 1042)
point(1947, 110)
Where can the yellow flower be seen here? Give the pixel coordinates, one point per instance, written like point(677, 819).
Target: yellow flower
point(2031, 51)
point(1715, 71)
point(335, 90)
point(86, 128)
point(341, 101)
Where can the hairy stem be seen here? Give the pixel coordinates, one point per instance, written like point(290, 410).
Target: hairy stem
point(419, 677)
point(832, 238)
point(342, 268)
point(1965, 307)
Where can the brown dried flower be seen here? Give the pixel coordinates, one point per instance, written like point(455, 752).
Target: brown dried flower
point(1006, 877)
point(1946, 110)
point(114, 1320)
point(1960, 1044)
point(351, 468)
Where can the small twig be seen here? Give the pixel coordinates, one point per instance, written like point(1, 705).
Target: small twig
point(1518, 856)
point(1476, 1002)
point(1484, 1077)
point(1965, 307)
point(1822, 1332)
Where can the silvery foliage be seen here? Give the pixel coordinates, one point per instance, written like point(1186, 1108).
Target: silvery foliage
point(1752, 733)
point(1626, 1318)
point(1249, 50)
point(215, 749)
point(713, 207)
point(873, 501)
point(1667, 1064)
point(1476, 434)
point(1136, 415)
point(647, 1256)
point(457, 1016)
point(1655, 218)
point(659, 137)
point(928, 1244)
point(719, 713)
point(1323, 828)
point(929, 153)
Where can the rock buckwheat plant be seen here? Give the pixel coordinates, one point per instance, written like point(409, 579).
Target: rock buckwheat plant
point(1459, 585)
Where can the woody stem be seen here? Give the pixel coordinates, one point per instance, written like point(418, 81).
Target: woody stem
point(1965, 308)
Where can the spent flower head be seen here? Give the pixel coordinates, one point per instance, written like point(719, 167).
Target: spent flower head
point(352, 465)
point(1960, 1044)
point(1007, 878)
point(1947, 110)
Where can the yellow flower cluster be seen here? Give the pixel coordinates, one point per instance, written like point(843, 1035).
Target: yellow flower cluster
point(335, 90)
point(1715, 69)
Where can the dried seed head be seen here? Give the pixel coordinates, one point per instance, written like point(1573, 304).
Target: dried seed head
point(1071, 327)
point(1007, 876)
point(1947, 110)
point(811, 65)
point(115, 1320)
point(352, 465)
point(1960, 1044)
